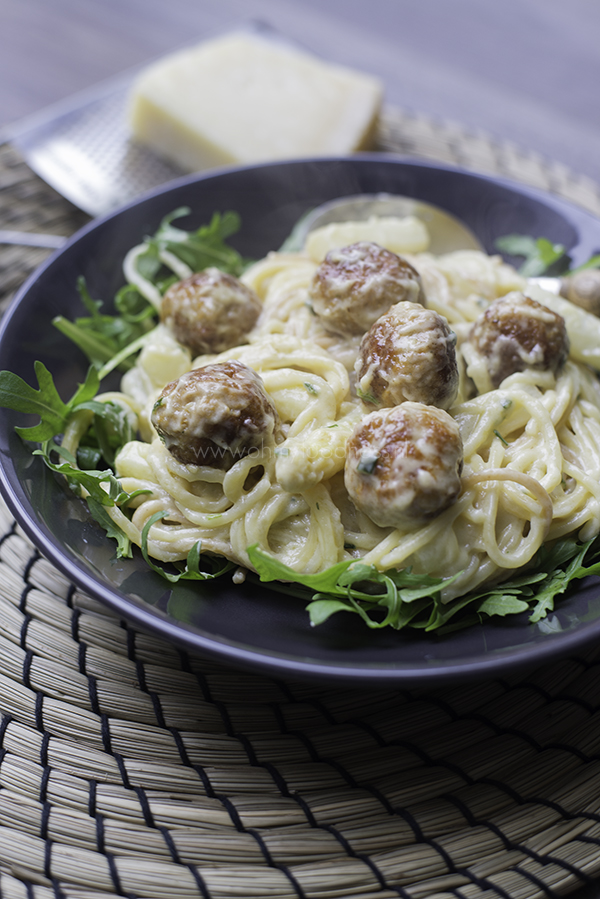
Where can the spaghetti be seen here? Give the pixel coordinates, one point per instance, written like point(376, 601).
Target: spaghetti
point(531, 471)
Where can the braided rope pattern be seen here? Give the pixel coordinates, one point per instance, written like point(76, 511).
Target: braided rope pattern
point(131, 769)
point(447, 142)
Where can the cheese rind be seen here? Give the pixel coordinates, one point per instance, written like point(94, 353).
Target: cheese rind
point(244, 99)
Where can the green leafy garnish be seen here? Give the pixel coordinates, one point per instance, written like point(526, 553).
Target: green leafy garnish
point(199, 249)
point(367, 397)
point(16, 394)
point(400, 598)
point(540, 255)
point(592, 262)
point(113, 531)
point(111, 428)
point(101, 485)
point(101, 337)
point(109, 341)
point(391, 598)
point(192, 570)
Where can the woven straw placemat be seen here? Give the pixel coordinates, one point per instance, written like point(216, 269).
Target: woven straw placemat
point(129, 768)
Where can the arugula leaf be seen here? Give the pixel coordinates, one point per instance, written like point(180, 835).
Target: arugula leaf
point(539, 254)
point(270, 569)
point(192, 570)
point(390, 598)
point(101, 337)
point(100, 515)
point(592, 262)
point(367, 397)
point(108, 341)
point(132, 306)
point(111, 428)
point(88, 457)
point(198, 249)
point(560, 566)
point(17, 394)
point(401, 598)
point(86, 391)
point(320, 609)
point(95, 346)
point(77, 478)
point(54, 415)
point(149, 263)
point(503, 604)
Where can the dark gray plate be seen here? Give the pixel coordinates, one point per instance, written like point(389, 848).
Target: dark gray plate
point(252, 626)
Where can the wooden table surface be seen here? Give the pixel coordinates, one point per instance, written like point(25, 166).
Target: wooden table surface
point(527, 71)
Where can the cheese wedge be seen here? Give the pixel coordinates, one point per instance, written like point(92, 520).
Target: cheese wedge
point(243, 99)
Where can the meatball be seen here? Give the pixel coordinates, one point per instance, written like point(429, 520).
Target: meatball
point(215, 415)
point(517, 333)
point(408, 354)
point(583, 289)
point(210, 311)
point(353, 286)
point(403, 465)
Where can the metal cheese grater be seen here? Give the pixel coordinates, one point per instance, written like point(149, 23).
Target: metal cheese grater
point(83, 149)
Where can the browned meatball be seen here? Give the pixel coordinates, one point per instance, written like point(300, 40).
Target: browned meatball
point(516, 333)
point(215, 415)
point(583, 289)
point(353, 286)
point(403, 464)
point(210, 311)
point(408, 354)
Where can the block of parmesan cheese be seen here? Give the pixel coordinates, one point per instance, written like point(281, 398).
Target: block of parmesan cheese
point(244, 98)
